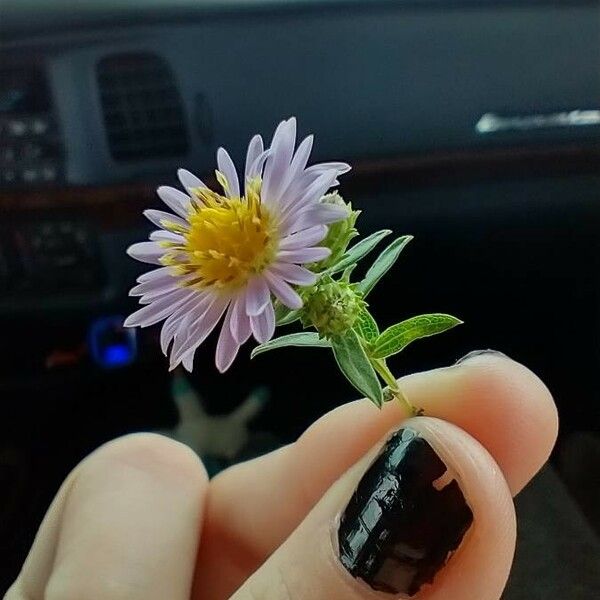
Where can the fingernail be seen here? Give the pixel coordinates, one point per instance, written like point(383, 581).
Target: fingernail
point(476, 353)
point(399, 529)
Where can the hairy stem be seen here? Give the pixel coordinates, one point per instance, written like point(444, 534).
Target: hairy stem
point(381, 367)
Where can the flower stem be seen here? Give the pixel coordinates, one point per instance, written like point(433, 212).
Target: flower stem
point(381, 367)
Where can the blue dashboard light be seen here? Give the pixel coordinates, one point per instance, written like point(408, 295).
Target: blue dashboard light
point(117, 355)
point(111, 345)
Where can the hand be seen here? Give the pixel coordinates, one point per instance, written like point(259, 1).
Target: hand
point(138, 519)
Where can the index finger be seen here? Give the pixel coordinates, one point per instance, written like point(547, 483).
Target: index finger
point(255, 506)
point(125, 524)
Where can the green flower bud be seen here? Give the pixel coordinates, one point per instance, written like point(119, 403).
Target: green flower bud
point(340, 233)
point(331, 307)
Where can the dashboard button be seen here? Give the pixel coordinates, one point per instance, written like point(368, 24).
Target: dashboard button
point(7, 154)
point(58, 255)
point(8, 176)
point(31, 151)
point(39, 126)
point(49, 173)
point(16, 127)
point(30, 175)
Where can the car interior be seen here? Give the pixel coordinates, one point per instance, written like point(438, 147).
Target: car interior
point(473, 125)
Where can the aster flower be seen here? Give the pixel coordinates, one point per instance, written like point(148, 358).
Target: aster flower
point(226, 256)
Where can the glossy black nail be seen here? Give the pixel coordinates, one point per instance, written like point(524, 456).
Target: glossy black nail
point(403, 522)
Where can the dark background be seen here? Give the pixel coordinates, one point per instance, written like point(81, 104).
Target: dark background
point(98, 107)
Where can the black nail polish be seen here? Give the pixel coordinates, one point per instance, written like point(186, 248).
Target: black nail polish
point(399, 529)
point(476, 353)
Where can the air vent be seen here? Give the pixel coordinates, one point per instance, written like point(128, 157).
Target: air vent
point(143, 112)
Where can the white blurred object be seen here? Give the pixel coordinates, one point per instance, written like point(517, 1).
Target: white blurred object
point(491, 122)
point(221, 436)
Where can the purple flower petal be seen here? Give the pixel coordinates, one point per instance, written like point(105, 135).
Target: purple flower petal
point(240, 322)
point(199, 330)
point(257, 296)
point(299, 161)
point(154, 274)
point(177, 201)
point(311, 196)
point(263, 325)
point(178, 322)
point(160, 217)
point(296, 188)
point(227, 347)
point(196, 312)
point(304, 255)
point(294, 274)
point(146, 252)
point(257, 165)
point(159, 279)
point(276, 168)
point(158, 310)
point(189, 181)
point(321, 213)
point(168, 331)
point(339, 167)
point(255, 149)
point(227, 167)
point(296, 170)
point(188, 361)
point(317, 189)
point(161, 235)
point(306, 237)
point(194, 306)
point(284, 292)
point(151, 289)
point(299, 184)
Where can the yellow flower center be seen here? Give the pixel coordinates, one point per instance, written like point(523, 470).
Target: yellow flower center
point(229, 240)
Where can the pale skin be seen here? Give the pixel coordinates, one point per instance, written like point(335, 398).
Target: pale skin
point(139, 520)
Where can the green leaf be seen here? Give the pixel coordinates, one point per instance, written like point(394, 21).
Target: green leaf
point(366, 326)
point(358, 251)
point(304, 338)
point(397, 337)
point(355, 365)
point(285, 319)
point(383, 263)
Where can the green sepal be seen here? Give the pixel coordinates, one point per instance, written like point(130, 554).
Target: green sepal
point(355, 365)
point(358, 251)
point(366, 326)
point(383, 263)
point(395, 338)
point(303, 338)
point(348, 273)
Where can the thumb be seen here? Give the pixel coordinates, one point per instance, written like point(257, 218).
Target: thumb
point(427, 514)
